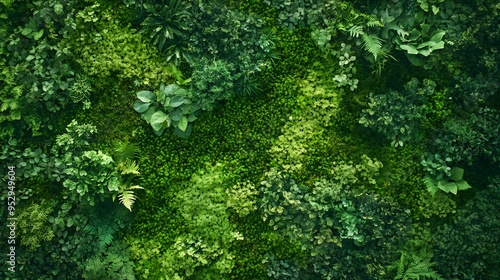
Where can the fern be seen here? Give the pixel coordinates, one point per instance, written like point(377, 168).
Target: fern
point(125, 150)
point(112, 263)
point(127, 197)
point(373, 44)
point(415, 266)
point(356, 31)
point(128, 167)
point(104, 223)
point(431, 184)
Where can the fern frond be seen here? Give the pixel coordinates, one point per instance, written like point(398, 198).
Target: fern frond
point(128, 167)
point(372, 44)
point(127, 197)
point(431, 184)
point(415, 266)
point(125, 150)
point(373, 23)
point(102, 225)
point(356, 31)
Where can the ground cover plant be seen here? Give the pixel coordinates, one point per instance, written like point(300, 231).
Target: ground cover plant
point(249, 139)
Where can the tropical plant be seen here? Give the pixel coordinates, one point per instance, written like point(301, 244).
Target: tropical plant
point(304, 13)
point(128, 170)
point(399, 115)
point(167, 22)
point(172, 106)
point(37, 70)
point(328, 216)
point(377, 51)
point(410, 31)
point(212, 82)
point(462, 250)
point(414, 266)
point(112, 263)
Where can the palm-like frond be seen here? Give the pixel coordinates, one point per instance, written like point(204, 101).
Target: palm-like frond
point(356, 31)
point(127, 197)
point(128, 167)
point(372, 44)
point(165, 22)
point(125, 150)
point(415, 266)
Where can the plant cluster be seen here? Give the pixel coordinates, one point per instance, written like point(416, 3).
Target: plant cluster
point(347, 68)
point(455, 255)
point(37, 70)
point(172, 106)
point(205, 249)
point(399, 114)
point(303, 13)
point(329, 215)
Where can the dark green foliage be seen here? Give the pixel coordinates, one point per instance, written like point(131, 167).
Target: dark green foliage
point(167, 22)
point(465, 140)
point(80, 91)
point(333, 224)
point(212, 81)
point(282, 269)
point(37, 70)
point(113, 263)
point(399, 114)
point(466, 248)
point(411, 30)
point(105, 219)
point(303, 13)
point(414, 265)
point(330, 215)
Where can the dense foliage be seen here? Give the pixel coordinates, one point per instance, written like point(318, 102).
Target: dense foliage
point(250, 139)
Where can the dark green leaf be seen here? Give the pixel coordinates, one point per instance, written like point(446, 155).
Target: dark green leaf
point(141, 107)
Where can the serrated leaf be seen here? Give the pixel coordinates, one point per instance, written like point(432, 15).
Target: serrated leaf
point(146, 96)
point(127, 198)
point(129, 167)
point(431, 184)
point(141, 107)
